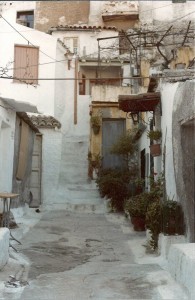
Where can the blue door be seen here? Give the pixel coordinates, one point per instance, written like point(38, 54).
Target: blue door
point(111, 130)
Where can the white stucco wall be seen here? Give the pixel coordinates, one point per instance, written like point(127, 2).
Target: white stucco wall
point(10, 8)
point(7, 132)
point(181, 263)
point(4, 246)
point(87, 40)
point(164, 11)
point(51, 161)
point(41, 95)
point(168, 91)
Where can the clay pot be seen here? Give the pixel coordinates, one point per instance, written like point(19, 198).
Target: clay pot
point(155, 150)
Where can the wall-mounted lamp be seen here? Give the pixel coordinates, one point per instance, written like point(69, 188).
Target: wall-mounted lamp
point(135, 117)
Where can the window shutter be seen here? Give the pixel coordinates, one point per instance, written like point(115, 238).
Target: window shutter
point(26, 64)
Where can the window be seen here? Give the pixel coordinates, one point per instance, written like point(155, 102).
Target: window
point(26, 59)
point(72, 44)
point(82, 84)
point(25, 18)
point(123, 44)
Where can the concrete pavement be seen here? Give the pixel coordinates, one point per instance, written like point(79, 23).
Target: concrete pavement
point(77, 255)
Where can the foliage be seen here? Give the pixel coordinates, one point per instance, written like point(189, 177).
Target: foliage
point(154, 135)
point(96, 120)
point(95, 162)
point(157, 186)
point(137, 205)
point(126, 146)
point(172, 218)
point(153, 222)
point(154, 211)
point(113, 183)
point(170, 205)
point(136, 186)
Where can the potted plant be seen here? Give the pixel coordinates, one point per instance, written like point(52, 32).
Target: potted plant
point(113, 184)
point(172, 218)
point(155, 137)
point(136, 207)
point(153, 222)
point(96, 123)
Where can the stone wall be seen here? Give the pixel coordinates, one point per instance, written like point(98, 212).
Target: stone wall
point(54, 13)
point(183, 131)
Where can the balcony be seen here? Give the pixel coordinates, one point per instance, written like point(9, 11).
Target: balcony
point(117, 10)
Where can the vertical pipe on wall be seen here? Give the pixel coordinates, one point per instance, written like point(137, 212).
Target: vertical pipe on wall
point(75, 90)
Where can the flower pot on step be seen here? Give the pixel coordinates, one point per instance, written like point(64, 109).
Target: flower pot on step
point(138, 223)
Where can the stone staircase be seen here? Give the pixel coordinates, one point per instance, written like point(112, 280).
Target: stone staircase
point(76, 192)
point(79, 197)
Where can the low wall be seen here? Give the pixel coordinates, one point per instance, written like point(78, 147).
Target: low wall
point(165, 242)
point(181, 261)
point(4, 246)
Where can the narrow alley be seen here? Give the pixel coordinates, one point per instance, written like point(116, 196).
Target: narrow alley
point(76, 255)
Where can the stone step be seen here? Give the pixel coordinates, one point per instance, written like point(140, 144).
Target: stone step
point(84, 208)
point(171, 292)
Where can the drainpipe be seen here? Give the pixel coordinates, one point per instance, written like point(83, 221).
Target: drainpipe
point(75, 90)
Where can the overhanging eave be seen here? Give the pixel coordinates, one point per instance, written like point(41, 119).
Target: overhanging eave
point(139, 103)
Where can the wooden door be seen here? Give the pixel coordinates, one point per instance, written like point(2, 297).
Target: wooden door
point(35, 180)
point(111, 130)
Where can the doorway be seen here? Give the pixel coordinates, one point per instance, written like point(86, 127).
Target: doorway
point(35, 179)
point(112, 129)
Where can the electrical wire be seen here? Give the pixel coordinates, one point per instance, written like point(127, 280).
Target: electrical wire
point(26, 38)
point(156, 8)
point(175, 20)
point(93, 78)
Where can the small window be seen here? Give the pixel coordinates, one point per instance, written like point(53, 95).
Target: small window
point(82, 84)
point(25, 18)
point(26, 60)
point(72, 44)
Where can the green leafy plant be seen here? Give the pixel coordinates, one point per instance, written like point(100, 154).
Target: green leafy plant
point(113, 184)
point(154, 135)
point(126, 146)
point(137, 205)
point(96, 120)
point(153, 222)
point(172, 218)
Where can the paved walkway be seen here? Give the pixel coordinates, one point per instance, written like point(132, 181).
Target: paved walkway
point(82, 256)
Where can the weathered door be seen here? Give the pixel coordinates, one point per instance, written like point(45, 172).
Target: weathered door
point(111, 130)
point(35, 180)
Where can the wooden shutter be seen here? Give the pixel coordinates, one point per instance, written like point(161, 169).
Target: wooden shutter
point(26, 60)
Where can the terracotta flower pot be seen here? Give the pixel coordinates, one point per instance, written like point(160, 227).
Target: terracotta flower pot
point(138, 223)
point(96, 129)
point(155, 150)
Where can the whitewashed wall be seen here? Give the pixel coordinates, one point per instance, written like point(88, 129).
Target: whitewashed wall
point(87, 40)
point(51, 161)
point(10, 8)
point(41, 95)
point(165, 11)
point(168, 91)
point(7, 131)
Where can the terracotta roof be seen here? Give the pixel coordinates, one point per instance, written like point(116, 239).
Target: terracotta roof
point(81, 27)
point(43, 121)
point(27, 119)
